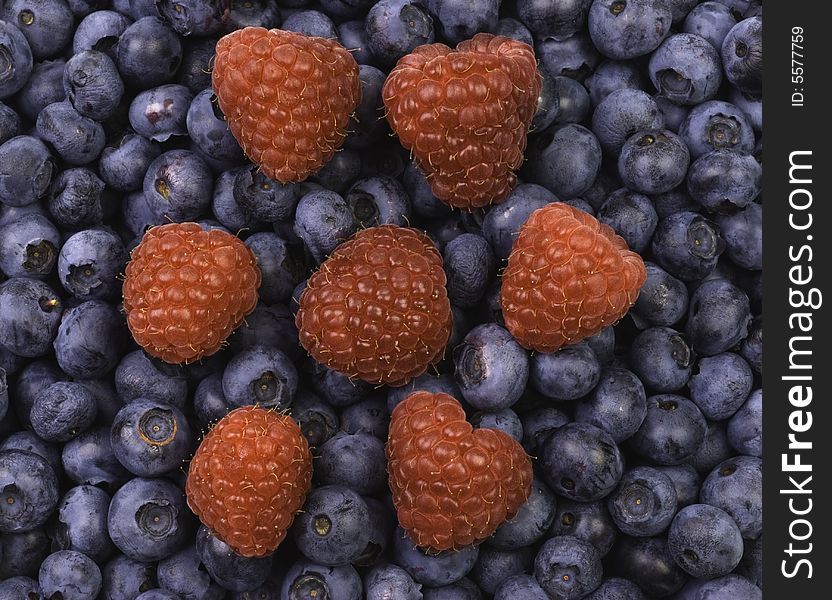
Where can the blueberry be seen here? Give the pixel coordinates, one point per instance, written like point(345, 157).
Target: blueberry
point(90, 263)
point(581, 462)
point(686, 482)
point(23, 554)
point(742, 55)
point(343, 9)
point(31, 442)
point(432, 569)
point(323, 220)
point(674, 114)
point(568, 374)
point(100, 31)
point(253, 13)
point(548, 103)
point(514, 29)
point(724, 180)
point(17, 56)
point(178, 185)
point(632, 216)
point(568, 567)
point(503, 221)
point(751, 105)
point(458, 20)
point(617, 588)
point(622, 113)
point(77, 139)
point(69, 575)
point(623, 29)
point(158, 594)
point(687, 245)
point(148, 519)
point(395, 28)
point(390, 582)
point(89, 460)
point(520, 586)
point(10, 122)
point(538, 424)
point(355, 460)
point(720, 384)
point(505, 420)
point(463, 589)
point(647, 562)
point(333, 526)
point(644, 503)
point(686, 69)
point(316, 418)
point(713, 449)
point(493, 566)
point(718, 317)
point(653, 161)
point(193, 17)
point(380, 200)
point(575, 56)
point(263, 198)
point(617, 404)
point(663, 299)
point(148, 53)
point(208, 128)
point(745, 428)
point(137, 376)
point(310, 22)
point(62, 411)
point(573, 100)
point(29, 490)
point(30, 313)
point(29, 246)
point(225, 207)
point(729, 586)
point(469, 265)
point(367, 416)
point(19, 587)
point(124, 162)
point(751, 565)
point(705, 541)
point(77, 199)
point(307, 579)
point(382, 521)
point(428, 382)
point(531, 522)
point(736, 486)
point(717, 125)
point(743, 235)
point(92, 84)
point(662, 358)
point(183, 573)
point(35, 377)
point(353, 37)
point(671, 432)
point(82, 523)
point(44, 87)
point(261, 375)
point(490, 367)
point(26, 169)
point(588, 521)
point(270, 326)
point(4, 393)
point(279, 267)
point(88, 339)
point(565, 160)
point(560, 20)
point(209, 400)
point(161, 112)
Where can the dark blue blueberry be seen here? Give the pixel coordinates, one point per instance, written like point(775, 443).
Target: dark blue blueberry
point(261, 375)
point(148, 53)
point(279, 267)
point(197, 61)
point(106, 399)
point(78, 199)
point(565, 160)
point(686, 69)
point(367, 416)
point(92, 84)
point(44, 87)
point(396, 27)
point(729, 586)
point(627, 29)
point(432, 569)
point(573, 100)
point(469, 264)
point(505, 420)
point(653, 161)
point(463, 589)
point(356, 461)
point(713, 449)
point(444, 383)
point(538, 424)
point(568, 567)
point(491, 368)
point(265, 199)
point(270, 326)
point(17, 56)
point(88, 340)
point(323, 220)
point(745, 429)
point(138, 217)
point(671, 432)
point(124, 162)
point(32, 379)
point(568, 374)
point(26, 169)
point(390, 582)
point(193, 17)
point(560, 20)
point(663, 299)
point(493, 566)
point(77, 139)
point(718, 317)
point(178, 185)
point(333, 526)
point(736, 486)
point(62, 411)
point(4, 393)
point(458, 20)
point(378, 200)
point(662, 358)
point(338, 174)
point(148, 519)
point(89, 460)
point(581, 462)
point(422, 200)
point(531, 522)
point(752, 106)
point(743, 235)
point(23, 554)
point(28, 489)
point(310, 22)
point(575, 56)
point(444, 229)
point(82, 523)
point(680, 8)
point(207, 127)
point(520, 586)
point(158, 594)
point(100, 31)
point(316, 418)
point(345, 9)
point(724, 180)
point(674, 114)
point(225, 207)
point(31, 442)
point(751, 565)
point(10, 122)
point(227, 568)
point(353, 37)
point(588, 521)
point(644, 503)
point(384, 158)
point(29, 246)
point(687, 245)
point(69, 575)
point(30, 312)
point(150, 437)
point(161, 112)
point(139, 377)
point(685, 480)
point(20, 586)
point(705, 541)
point(548, 102)
point(306, 579)
point(183, 573)
point(720, 384)
point(621, 114)
point(617, 404)
point(90, 263)
point(603, 344)
point(717, 125)
point(514, 29)
point(647, 562)
point(742, 55)
point(209, 400)
point(632, 216)
point(46, 24)
point(617, 588)
point(253, 13)
point(382, 521)
point(611, 76)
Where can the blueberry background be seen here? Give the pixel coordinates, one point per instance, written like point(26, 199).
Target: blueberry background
point(646, 438)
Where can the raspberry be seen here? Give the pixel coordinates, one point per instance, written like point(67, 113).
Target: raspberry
point(248, 479)
point(187, 289)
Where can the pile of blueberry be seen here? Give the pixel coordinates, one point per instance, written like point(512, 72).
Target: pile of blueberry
point(646, 437)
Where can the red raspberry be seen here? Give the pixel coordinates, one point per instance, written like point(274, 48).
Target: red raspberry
point(465, 114)
point(567, 278)
point(377, 308)
point(187, 289)
point(452, 485)
point(287, 97)
point(248, 479)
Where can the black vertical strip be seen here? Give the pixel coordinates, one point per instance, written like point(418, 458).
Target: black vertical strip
point(797, 378)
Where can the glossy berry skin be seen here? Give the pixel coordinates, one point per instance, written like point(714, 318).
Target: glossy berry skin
point(183, 573)
point(458, 493)
point(589, 521)
point(432, 568)
point(567, 568)
point(711, 20)
point(687, 245)
point(69, 574)
point(720, 385)
point(229, 569)
point(671, 432)
point(623, 30)
point(250, 502)
point(566, 160)
point(77, 139)
point(393, 28)
point(310, 23)
point(718, 317)
point(124, 162)
point(44, 87)
point(568, 374)
point(353, 460)
point(644, 502)
point(139, 377)
point(662, 358)
point(148, 53)
point(724, 180)
point(303, 90)
point(653, 161)
point(590, 279)
point(89, 460)
point(716, 125)
point(261, 375)
point(465, 113)
point(648, 563)
point(208, 128)
point(161, 112)
point(209, 281)
point(663, 300)
point(622, 113)
point(377, 309)
point(617, 404)
point(531, 522)
point(632, 216)
point(29, 491)
point(705, 541)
